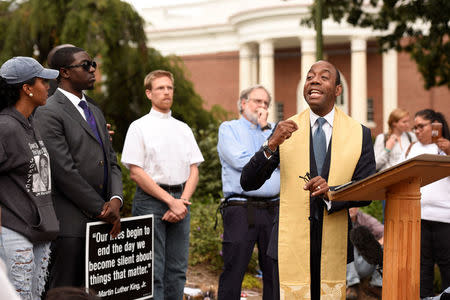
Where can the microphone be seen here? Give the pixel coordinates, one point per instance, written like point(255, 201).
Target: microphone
point(367, 246)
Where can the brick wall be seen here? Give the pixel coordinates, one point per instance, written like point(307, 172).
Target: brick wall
point(287, 78)
point(411, 93)
point(215, 78)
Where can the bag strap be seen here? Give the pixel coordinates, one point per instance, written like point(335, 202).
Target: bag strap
point(409, 137)
point(385, 139)
point(409, 149)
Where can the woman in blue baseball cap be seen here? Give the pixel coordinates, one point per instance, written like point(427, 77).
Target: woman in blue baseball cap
point(28, 220)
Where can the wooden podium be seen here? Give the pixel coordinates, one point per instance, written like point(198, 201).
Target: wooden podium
point(400, 186)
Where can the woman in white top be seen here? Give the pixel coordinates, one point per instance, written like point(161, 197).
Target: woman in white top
point(435, 205)
point(389, 147)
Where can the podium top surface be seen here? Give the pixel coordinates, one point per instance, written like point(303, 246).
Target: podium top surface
point(427, 167)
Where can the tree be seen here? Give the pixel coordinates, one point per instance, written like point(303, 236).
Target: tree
point(112, 32)
point(418, 27)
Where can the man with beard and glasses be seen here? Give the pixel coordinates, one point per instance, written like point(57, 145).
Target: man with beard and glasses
point(87, 181)
point(247, 216)
point(326, 148)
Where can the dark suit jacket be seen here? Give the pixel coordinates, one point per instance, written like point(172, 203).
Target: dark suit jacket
point(77, 161)
point(259, 169)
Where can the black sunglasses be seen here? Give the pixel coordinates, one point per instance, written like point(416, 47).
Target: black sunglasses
point(86, 65)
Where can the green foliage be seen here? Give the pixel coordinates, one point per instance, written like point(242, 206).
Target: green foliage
point(437, 283)
point(375, 209)
point(129, 188)
point(111, 32)
point(205, 242)
point(209, 189)
point(251, 282)
point(424, 22)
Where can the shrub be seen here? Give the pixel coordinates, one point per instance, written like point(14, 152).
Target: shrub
point(129, 188)
point(209, 188)
point(205, 241)
point(375, 209)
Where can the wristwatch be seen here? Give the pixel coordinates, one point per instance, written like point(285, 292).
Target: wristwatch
point(268, 126)
point(267, 148)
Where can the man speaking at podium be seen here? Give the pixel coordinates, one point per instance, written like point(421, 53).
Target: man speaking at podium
point(324, 144)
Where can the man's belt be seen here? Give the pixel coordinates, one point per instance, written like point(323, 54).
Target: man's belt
point(177, 188)
point(251, 199)
point(251, 204)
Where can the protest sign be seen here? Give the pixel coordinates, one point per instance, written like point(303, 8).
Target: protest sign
point(121, 267)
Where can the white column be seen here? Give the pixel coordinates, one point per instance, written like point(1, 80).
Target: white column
point(390, 85)
point(267, 73)
point(308, 48)
point(244, 67)
point(359, 80)
point(254, 65)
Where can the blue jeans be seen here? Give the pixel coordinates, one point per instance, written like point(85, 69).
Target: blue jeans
point(171, 247)
point(26, 263)
point(360, 268)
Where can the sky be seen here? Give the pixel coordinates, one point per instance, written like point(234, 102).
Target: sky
point(153, 3)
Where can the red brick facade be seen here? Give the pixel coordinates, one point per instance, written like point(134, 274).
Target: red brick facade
point(216, 79)
point(411, 93)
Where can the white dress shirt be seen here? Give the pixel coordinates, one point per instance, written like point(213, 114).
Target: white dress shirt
point(327, 127)
point(164, 147)
point(75, 101)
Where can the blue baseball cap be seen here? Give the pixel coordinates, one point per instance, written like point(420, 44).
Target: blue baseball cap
point(21, 68)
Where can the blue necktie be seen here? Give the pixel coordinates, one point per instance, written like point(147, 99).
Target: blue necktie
point(90, 119)
point(320, 145)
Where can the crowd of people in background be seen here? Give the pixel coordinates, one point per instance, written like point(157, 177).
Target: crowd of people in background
point(58, 171)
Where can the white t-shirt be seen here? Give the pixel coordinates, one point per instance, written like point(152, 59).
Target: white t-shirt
point(435, 201)
point(162, 146)
point(385, 159)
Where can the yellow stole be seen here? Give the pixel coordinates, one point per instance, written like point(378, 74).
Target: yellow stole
point(294, 226)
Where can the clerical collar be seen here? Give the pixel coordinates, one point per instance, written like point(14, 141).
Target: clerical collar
point(160, 115)
point(329, 117)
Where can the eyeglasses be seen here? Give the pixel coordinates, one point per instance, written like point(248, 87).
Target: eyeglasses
point(260, 101)
point(86, 65)
point(420, 126)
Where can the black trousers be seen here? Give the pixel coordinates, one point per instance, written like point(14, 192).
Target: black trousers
point(239, 240)
point(434, 249)
point(67, 262)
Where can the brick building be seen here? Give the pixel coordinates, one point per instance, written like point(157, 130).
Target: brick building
point(228, 45)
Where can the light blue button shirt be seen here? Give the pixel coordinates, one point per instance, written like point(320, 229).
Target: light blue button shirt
point(238, 141)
